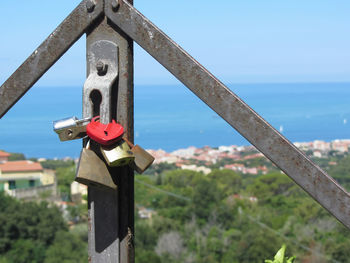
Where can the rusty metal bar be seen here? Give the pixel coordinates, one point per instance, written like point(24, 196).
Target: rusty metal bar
point(57, 43)
point(111, 213)
point(233, 110)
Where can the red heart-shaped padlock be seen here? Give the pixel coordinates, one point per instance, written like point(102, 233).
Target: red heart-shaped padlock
point(105, 134)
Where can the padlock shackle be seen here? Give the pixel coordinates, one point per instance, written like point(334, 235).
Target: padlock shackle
point(131, 145)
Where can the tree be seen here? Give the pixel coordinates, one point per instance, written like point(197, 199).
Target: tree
point(17, 157)
point(26, 251)
point(205, 198)
point(227, 180)
point(66, 248)
point(65, 176)
point(27, 221)
point(256, 244)
point(170, 243)
point(145, 256)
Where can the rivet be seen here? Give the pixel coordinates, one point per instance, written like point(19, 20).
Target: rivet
point(101, 68)
point(90, 5)
point(115, 5)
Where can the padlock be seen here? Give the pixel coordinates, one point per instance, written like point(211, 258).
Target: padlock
point(92, 171)
point(71, 128)
point(142, 160)
point(118, 154)
point(104, 134)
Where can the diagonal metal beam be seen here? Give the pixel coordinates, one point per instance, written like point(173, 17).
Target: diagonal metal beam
point(57, 43)
point(233, 110)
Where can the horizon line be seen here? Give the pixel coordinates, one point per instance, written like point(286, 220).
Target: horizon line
point(226, 84)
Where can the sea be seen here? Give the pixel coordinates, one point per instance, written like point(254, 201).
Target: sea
point(171, 117)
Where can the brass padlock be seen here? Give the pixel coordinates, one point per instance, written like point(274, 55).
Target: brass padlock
point(92, 171)
point(143, 159)
point(118, 154)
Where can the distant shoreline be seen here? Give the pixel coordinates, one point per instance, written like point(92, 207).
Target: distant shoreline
point(341, 145)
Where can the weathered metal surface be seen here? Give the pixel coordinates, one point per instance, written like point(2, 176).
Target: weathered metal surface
point(101, 52)
point(118, 155)
point(232, 109)
point(97, 98)
point(111, 214)
point(125, 115)
point(59, 41)
point(143, 159)
point(93, 172)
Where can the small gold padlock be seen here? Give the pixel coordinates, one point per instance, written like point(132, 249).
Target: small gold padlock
point(92, 171)
point(143, 159)
point(118, 154)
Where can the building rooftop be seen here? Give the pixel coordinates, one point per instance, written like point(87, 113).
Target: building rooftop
point(20, 166)
point(4, 154)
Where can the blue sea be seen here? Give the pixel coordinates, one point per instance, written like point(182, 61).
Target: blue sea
point(172, 117)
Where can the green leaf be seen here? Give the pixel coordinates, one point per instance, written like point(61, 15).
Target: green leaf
point(290, 260)
point(279, 257)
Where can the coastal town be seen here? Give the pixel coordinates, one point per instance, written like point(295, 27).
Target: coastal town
point(33, 179)
point(237, 158)
point(241, 159)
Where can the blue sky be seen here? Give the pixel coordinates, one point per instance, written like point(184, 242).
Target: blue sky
point(238, 41)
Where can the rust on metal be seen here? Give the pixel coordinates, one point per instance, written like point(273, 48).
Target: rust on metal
point(233, 110)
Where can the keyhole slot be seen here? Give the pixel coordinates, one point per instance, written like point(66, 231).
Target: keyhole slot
point(96, 99)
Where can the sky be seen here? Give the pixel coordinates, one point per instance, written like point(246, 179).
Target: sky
point(239, 41)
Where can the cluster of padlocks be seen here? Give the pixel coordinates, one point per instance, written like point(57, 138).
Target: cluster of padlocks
point(113, 150)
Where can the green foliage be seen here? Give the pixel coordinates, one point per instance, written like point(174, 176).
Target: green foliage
point(341, 252)
point(66, 248)
point(32, 232)
point(65, 176)
point(27, 221)
point(26, 251)
point(228, 181)
point(77, 213)
point(280, 258)
point(16, 157)
point(256, 244)
point(206, 196)
point(207, 218)
point(55, 164)
point(221, 223)
point(146, 256)
point(341, 171)
point(156, 169)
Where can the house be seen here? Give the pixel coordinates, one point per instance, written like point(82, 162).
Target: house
point(26, 179)
point(78, 191)
point(145, 213)
point(196, 168)
point(4, 157)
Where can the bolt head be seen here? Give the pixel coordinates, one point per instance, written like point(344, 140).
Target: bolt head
point(90, 5)
point(101, 68)
point(115, 5)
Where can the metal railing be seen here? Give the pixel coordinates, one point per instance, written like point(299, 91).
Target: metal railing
point(112, 26)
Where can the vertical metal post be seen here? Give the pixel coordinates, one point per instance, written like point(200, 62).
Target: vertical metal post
point(111, 213)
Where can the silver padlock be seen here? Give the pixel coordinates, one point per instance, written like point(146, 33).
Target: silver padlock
point(118, 154)
point(71, 128)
